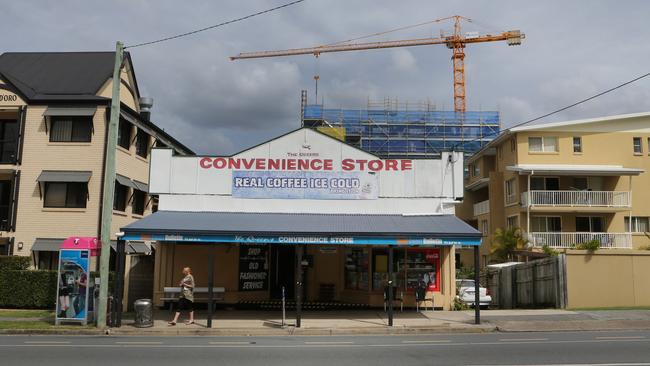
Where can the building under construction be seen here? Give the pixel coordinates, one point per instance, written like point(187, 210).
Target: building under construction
point(391, 129)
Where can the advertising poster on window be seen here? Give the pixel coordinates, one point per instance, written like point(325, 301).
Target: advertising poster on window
point(305, 185)
point(253, 267)
point(72, 290)
point(423, 269)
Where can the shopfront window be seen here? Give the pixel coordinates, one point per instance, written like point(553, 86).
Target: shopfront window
point(356, 269)
point(412, 267)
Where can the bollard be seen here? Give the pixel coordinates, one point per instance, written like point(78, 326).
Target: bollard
point(284, 311)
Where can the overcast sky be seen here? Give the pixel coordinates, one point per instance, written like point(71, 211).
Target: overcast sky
point(573, 49)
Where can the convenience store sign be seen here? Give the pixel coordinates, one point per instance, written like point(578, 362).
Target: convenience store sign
point(347, 240)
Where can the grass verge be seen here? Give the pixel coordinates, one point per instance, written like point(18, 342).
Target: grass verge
point(22, 313)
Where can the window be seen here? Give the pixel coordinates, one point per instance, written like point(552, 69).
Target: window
point(356, 269)
point(8, 140)
point(577, 144)
point(513, 144)
point(477, 170)
point(121, 197)
point(5, 204)
point(593, 224)
point(142, 144)
point(124, 134)
point(511, 191)
point(545, 224)
point(48, 260)
point(638, 148)
point(71, 129)
point(544, 183)
point(542, 144)
point(65, 195)
point(500, 152)
point(512, 221)
point(485, 229)
point(640, 224)
point(139, 201)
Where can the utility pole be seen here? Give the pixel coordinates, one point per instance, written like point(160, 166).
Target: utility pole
point(109, 187)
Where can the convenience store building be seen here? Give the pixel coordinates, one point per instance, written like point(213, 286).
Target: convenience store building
point(308, 208)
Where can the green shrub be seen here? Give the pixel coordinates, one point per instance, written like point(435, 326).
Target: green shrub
point(549, 251)
point(591, 245)
point(14, 263)
point(28, 289)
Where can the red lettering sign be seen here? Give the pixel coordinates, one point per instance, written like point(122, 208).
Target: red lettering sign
point(347, 164)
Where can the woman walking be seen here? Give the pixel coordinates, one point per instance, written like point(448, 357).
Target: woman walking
point(186, 298)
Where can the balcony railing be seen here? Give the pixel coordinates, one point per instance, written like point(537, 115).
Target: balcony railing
point(569, 240)
point(482, 208)
point(576, 198)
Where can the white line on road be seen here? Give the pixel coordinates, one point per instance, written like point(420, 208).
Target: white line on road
point(580, 364)
point(522, 339)
point(47, 342)
point(436, 341)
point(324, 344)
point(622, 337)
point(233, 343)
point(138, 342)
point(328, 342)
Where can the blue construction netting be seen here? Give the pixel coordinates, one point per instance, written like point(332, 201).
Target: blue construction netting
point(411, 133)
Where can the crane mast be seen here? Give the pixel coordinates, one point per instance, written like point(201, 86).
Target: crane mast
point(455, 41)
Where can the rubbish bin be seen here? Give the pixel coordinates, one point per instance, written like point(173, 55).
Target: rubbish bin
point(143, 313)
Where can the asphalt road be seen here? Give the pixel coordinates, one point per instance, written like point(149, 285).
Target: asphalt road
point(566, 348)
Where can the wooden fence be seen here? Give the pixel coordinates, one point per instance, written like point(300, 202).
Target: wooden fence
point(536, 284)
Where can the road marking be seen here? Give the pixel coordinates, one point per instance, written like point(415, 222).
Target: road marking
point(324, 344)
point(437, 341)
point(328, 342)
point(138, 342)
point(47, 342)
point(622, 337)
point(522, 339)
point(583, 364)
point(232, 343)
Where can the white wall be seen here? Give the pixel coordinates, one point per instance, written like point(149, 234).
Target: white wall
point(183, 185)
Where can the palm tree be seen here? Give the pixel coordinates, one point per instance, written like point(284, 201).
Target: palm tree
point(505, 242)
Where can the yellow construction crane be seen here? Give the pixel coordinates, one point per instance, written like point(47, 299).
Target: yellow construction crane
point(455, 41)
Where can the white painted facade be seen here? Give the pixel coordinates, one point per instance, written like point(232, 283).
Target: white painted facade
point(410, 187)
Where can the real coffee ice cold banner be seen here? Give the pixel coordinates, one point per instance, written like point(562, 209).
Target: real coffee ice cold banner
point(72, 301)
point(305, 185)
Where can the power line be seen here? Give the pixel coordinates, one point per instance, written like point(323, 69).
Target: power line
point(214, 26)
point(560, 110)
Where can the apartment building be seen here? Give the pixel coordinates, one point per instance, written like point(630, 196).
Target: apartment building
point(564, 184)
point(54, 111)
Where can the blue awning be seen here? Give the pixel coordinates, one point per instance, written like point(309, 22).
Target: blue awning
point(303, 228)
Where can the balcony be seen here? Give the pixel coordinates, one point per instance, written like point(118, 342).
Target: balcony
point(482, 208)
point(567, 240)
point(598, 199)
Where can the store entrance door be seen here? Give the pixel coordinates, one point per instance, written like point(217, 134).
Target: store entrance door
point(283, 271)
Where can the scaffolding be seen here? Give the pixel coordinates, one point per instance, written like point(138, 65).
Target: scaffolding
point(391, 129)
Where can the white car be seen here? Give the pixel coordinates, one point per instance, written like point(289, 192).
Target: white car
point(465, 290)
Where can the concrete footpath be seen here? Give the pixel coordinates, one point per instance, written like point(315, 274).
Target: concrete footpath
point(407, 322)
point(372, 322)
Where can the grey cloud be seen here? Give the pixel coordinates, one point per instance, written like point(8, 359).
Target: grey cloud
point(219, 106)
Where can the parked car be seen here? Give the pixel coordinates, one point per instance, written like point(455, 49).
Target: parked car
point(465, 291)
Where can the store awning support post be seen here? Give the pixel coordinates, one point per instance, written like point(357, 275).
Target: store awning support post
point(477, 286)
point(213, 247)
point(108, 190)
point(299, 250)
point(391, 296)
